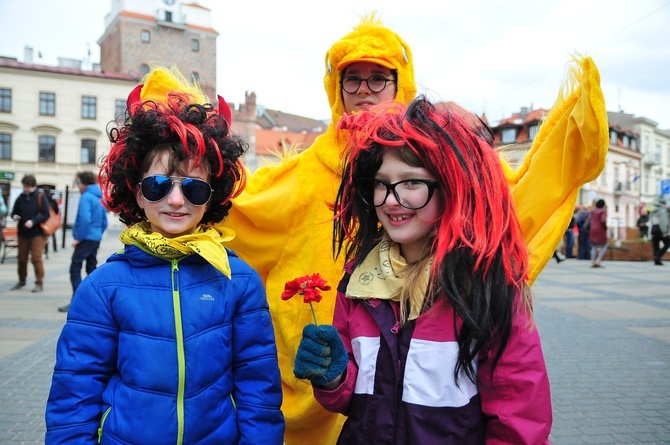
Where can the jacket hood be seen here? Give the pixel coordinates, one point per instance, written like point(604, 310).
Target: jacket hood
point(369, 41)
point(94, 189)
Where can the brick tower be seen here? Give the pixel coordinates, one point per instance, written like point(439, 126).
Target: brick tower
point(142, 33)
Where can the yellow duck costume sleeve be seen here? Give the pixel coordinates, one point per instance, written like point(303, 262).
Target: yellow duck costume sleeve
point(568, 151)
point(283, 219)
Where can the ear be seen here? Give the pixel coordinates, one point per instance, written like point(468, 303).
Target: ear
point(139, 198)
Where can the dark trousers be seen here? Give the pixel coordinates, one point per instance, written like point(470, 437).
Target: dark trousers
point(84, 251)
point(569, 244)
point(656, 244)
point(584, 245)
point(33, 247)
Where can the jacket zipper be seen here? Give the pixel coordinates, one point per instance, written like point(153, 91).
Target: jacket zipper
point(102, 423)
point(181, 360)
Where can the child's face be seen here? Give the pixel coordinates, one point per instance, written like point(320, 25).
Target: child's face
point(174, 215)
point(409, 228)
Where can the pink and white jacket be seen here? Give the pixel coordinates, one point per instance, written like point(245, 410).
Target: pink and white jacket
point(399, 385)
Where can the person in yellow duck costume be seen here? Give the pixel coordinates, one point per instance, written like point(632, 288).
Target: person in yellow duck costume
point(284, 218)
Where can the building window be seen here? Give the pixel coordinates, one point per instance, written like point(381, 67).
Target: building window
point(633, 144)
point(5, 146)
point(195, 45)
point(119, 108)
point(168, 16)
point(47, 104)
point(88, 107)
point(47, 149)
point(508, 135)
point(5, 100)
point(624, 141)
point(88, 151)
point(196, 75)
point(613, 137)
point(145, 36)
point(144, 69)
point(532, 132)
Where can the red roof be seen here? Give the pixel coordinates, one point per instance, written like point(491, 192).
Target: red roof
point(13, 63)
point(271, 142)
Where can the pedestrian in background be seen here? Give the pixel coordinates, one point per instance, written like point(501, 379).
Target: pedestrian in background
point(643, 223)
point(29, 211)
point(89, 226)
point(583, 222)
point(660, 228)
point(48, 194)
point(598, 233)
point(570, 237)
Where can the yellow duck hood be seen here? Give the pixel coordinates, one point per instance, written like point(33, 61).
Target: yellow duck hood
point(369, 40)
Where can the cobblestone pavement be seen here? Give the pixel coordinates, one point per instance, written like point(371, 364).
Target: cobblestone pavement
point(605, 333)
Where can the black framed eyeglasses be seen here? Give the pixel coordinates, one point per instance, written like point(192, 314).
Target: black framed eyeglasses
point(375, 83)
point(155, 188)
point(412, 194)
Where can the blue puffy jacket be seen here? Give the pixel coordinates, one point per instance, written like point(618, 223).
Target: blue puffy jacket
point(166, 352)
point(91, 219)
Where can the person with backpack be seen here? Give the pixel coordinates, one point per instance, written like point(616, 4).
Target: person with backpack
point(29, 212)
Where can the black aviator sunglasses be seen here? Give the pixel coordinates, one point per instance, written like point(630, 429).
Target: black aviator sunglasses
point(156, 187)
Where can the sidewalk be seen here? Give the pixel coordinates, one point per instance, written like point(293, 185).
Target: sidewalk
point(605, 333)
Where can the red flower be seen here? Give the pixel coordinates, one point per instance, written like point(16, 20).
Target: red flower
point(309, 286)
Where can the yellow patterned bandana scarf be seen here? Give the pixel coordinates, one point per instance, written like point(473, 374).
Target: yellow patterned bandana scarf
point(382, 276)
point(206, 241)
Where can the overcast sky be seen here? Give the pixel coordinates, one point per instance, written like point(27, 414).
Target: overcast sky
point(487, 56)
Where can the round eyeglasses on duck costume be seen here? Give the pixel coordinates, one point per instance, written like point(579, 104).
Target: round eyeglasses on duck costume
point(283, 218)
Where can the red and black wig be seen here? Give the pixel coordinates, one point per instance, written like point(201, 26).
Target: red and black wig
point(479, 256)
point(190, 132)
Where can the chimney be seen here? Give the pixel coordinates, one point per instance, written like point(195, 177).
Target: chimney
point(28, 54)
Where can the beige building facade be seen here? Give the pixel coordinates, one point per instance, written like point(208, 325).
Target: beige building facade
point(54, 122)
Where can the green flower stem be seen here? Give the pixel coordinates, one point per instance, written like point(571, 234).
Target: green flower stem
point(313, 313)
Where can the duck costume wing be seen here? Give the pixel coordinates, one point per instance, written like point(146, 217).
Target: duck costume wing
point(568, 151)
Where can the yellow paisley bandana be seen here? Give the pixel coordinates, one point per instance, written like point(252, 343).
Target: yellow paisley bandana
point(382, 276)
point(206, 241)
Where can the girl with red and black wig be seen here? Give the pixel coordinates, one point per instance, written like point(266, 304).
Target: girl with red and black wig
point(433, 339)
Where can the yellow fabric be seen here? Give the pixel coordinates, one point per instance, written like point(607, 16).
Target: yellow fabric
point(161, 81)
point(382, 275)
point(283, 219)
point(206, 241)
point(568, 151)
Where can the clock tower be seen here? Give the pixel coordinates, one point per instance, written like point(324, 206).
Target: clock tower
point(142, 33)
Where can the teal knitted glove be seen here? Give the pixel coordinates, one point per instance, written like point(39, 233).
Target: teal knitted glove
point(321, 355)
